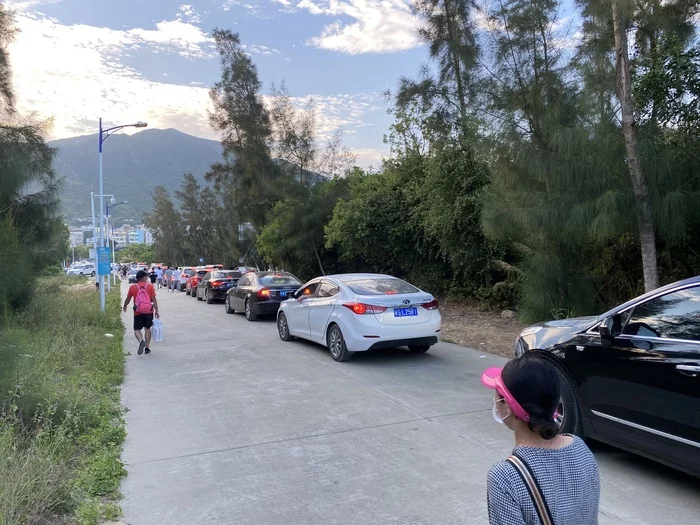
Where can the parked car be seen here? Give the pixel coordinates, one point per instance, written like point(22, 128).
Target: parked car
point(631, 376)
point(185, 273)
point(193, 280)
point(260, 293)
point(357, 312)
point(82, 269)
point(132, 275)
point(213, 286)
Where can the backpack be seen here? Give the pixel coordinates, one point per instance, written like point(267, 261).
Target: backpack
point(143, 302)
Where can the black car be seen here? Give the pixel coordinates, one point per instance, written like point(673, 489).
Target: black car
point(260, 293)
point(631, 376)
point(214, 284)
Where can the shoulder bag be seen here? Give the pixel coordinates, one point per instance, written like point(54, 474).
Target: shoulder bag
point(533, 488)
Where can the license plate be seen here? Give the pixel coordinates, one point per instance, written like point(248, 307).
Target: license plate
point(283, 294)
point(405, 312)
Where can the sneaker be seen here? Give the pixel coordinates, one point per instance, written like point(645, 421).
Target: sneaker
point(147, 350)
point(142, 345)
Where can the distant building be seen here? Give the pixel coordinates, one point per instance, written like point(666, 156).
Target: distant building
point(244, 229)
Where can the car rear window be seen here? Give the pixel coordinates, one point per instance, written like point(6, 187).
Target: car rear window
point(225, 275)
point(268, 280)
point(380, 286)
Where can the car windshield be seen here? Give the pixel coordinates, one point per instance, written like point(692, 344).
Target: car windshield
point(225, 275)
point(380, 286)
point(279, 278)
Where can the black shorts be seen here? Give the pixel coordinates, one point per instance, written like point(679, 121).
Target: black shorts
point(143, 321)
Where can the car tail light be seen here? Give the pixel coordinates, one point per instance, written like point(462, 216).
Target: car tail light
point(217, 283)
point(263, 292)
point(362, 309)
point(432, 305)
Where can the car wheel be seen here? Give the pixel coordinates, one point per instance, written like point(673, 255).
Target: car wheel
point(198, 297)
point(283, 328)
point(92, 274)
point(227, 305)
point(568, 410)
point(249, 314)
point(419, 349)
point(336, 344)
point(207, 297)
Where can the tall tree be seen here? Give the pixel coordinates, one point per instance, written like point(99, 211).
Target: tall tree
point(247, 174)
point(168, 230)
point(645, 219)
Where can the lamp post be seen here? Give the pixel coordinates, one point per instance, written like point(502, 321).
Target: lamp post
point(104, 135)
point(112, 204)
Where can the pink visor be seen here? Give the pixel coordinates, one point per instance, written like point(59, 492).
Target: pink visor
point(491, 378)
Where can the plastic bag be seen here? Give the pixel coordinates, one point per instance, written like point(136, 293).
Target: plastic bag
point(157, 330)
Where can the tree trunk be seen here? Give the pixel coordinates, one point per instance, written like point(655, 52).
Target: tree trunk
point(645, 219)
point(318, 258)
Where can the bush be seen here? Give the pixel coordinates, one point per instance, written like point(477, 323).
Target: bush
point(59, 404)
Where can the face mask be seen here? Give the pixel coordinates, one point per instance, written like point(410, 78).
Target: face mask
point(496, 417)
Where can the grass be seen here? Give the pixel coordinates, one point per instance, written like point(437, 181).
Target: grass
point(61, 426)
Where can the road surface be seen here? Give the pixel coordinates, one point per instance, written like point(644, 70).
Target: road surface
point(227, 424)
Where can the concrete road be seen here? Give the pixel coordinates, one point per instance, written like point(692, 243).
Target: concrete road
point(229, 425)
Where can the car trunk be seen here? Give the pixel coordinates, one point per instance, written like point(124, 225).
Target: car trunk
point(401, 309)
point(281, 292)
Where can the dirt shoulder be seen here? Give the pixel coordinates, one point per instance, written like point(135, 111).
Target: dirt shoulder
point(483, 330)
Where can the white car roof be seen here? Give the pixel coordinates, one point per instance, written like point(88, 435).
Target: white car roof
point(357, 276)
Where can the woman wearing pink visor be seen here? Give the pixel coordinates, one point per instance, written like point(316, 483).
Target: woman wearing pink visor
point(551, 478)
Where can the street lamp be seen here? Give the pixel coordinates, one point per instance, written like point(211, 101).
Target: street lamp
point(112, 204)
point(104, 134)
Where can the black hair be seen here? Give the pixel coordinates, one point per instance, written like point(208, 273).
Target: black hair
point(534, 383)
point(141, 274)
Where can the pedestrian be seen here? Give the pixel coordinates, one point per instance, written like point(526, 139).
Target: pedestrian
point(556, 470)
point(152, 275)
point(145, 307)
point(159, 276)
point(167, 277)
point(176, 280)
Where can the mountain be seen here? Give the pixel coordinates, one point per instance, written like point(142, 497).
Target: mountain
point(132, 165)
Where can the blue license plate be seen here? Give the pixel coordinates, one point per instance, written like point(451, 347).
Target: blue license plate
point(283, 294)
point(405, 312)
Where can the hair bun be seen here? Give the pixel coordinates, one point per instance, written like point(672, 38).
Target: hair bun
point(546, 428)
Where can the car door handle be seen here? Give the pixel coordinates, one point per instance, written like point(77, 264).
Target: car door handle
point(691, 370)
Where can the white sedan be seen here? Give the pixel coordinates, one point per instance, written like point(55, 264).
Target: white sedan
point(351, 313)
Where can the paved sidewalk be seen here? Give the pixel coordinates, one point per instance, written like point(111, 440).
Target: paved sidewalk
point(229, 425)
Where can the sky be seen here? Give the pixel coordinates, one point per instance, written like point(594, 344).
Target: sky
point(154, 60)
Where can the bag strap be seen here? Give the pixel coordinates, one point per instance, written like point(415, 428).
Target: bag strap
point(526, 474)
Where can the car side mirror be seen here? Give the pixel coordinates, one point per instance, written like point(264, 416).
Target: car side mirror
point(606, 330)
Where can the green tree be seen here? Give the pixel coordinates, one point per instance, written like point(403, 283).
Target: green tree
point(168, 230)
point(29, 203)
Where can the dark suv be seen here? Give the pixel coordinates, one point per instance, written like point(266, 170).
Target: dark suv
point(631, 376)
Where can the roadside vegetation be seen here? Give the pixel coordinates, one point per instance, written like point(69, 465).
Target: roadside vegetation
point(60, 418)
point(512, 181)
point(61, 425)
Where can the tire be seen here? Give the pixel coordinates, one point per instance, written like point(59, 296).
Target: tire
point(336, 344)
point(208, 298)
point(419, 349)
point(82, 274)
point(198, 297)
point(227, 305)
point(569, 409)
point(249, 313)
point(92, 274)
point(283, 328)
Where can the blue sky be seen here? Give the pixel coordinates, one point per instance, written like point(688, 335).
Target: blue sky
point(154, 60)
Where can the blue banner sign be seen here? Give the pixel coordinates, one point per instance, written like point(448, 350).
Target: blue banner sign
point(104, 266)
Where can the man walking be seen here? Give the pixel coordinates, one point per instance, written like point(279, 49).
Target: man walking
point(145, 307)
point(176, 280)
point(167, 278)
point(159, 276)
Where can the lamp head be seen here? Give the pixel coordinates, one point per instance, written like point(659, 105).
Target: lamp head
point(141, 124)
point(112, 200)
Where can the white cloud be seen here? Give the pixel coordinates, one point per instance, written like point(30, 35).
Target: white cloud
point(251, 7)
point(380, 26)
point(73, 74)
point(188, 13)
point(261, 50)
